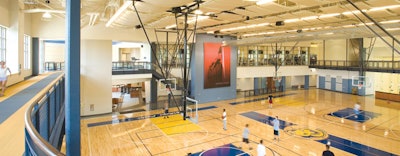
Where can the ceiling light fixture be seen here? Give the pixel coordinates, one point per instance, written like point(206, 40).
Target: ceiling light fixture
point(246, 27)
point(261, 2)
point(198, 12)
point(392, 29)
point(309, 18)
point(391, 21)
point(170, 26)
point(47, 15)
point(369, 23)
point(199, 18)
point(353, 12)
point(328, 15)
point(118, 13)
point(384, 8)
point(30, 1)
point(349, 26)
point(292, 20)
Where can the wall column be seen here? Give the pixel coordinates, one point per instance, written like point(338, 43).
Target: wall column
point(306, 82)
point(35, 56)
point(362, 57)
point(72, 77)
point(256, 86)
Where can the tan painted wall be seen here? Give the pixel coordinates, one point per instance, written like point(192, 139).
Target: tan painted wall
point(96, 83)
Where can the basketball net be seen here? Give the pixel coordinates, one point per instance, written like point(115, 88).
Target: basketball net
point(277, 78)
point(360, 86)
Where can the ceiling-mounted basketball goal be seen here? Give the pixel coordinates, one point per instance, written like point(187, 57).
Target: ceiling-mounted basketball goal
point(277, 76)
point(361, 82)
point(167, 83)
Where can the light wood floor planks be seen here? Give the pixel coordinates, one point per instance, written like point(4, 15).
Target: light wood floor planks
point(304, 108)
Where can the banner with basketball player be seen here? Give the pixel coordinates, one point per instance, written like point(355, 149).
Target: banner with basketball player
point(217, 65)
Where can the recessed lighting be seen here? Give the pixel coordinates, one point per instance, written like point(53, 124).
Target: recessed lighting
point(292, 20)
point(47, 15)
point(261, 2)
point(198, 12)
point(384, 8)
point(328, 15)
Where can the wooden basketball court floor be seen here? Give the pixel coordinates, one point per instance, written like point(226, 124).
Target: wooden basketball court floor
point(309, 119)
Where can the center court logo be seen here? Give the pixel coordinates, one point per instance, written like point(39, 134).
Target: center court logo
point(314, 134)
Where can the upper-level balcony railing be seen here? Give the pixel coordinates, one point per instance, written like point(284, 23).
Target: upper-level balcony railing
point(130, 65)
point(381, 66)
point(50, 66)
point(45, 120)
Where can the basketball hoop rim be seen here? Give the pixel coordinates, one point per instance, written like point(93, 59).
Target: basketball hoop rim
point(277, 78)
point(360, 86)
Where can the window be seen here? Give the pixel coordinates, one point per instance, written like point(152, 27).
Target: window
point(2, 43)
point(27, 51)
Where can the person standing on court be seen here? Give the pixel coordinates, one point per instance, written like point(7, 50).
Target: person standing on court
point(166, 110)
point(261, 149)
point(275, 123)
point(270, 101)
point(246, 133)
point(3, 76)
point(224, 119)
point(356, 108)
point(327, 152)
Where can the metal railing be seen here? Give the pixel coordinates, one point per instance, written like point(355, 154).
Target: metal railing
point(130, 65)
point(49, 66)
point(354, 65)
point(260, 91)
point(45, 121)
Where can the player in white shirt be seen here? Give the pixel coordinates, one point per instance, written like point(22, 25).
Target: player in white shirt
point(261, 149)
point(3, 76)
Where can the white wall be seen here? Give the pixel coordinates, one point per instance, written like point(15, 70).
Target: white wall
point(268, 71)
point(380, 50)
point(297, 80)
point(317, 48)
point(130, 78)
point(54, 52)
point(333, 73)
point(313, 80)
point(55, 29)
point(328, 74)
point(15, 40)
point(335, 50)
point(385, 82)
point(245, 83)
point(95, 77)
point(5, 17)
point(28, 24)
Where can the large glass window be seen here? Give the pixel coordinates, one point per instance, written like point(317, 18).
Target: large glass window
point(2, 43)
point(27, 52)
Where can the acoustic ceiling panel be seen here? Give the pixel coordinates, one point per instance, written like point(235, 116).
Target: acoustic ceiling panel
point(303, 13)
point(273, 7)
point(333, 9)
point(262, 11)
